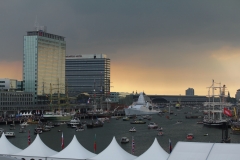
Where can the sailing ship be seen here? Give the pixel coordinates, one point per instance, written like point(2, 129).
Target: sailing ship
point(215, 105)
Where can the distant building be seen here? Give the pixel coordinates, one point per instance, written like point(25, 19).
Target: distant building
point(237, 95)
point(88, 74)
point(7, 84)
point(43, 64)
point(190, 92)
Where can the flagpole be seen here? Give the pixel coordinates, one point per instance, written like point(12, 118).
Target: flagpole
point(95, 144)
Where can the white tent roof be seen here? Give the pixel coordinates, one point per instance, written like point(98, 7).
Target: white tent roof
point(155, 152)
point(74, 151)
point(223, 151)
point(7, 148)
point(190, 151)
point(37, 149)
point(114, 152)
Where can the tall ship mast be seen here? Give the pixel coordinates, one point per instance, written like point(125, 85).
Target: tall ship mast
point(215, 105)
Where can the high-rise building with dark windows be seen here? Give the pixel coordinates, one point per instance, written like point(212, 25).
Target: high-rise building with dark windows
point(43, 63)
point(88, 74)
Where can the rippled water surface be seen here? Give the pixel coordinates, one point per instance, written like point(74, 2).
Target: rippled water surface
point(143, 138)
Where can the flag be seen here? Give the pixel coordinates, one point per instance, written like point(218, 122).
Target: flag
point(170, 146)
point(29, 138)
point(227, 112)
point(133, 145)
point(95, 144)
point(62, 145)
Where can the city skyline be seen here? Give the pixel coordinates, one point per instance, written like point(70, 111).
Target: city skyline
point(159, 47)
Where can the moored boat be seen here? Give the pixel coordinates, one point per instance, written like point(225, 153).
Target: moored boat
point(9, 134)
point(51, 116)
point(124, 140)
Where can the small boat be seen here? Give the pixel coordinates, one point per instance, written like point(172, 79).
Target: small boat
point(200, 122)
point(133, 129)
point(190, 136)
point(138, 122)
point(206, 134)
point(79, 129)
point(124, 140)
point(179, 122)
point(59, 130)
point(37, 131)
point(24, 124)
point(9, 134)
point(160, 133)
point(152, 125)
point(159, 129)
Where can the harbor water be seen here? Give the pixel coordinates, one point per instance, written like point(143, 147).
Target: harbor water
point(143, 137)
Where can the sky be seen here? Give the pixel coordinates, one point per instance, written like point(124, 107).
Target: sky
point(159, 47)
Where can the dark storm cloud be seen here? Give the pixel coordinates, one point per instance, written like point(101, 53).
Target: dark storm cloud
point(109, 26)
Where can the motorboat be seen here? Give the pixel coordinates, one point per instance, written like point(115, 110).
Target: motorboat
point(152, 125)
point(159, 129)
point(9, 134)
point(190, 136)
point(133, 129)
point(206, 134)
point(124, 140)
point(141, 107)
point(79, 129)
point(24, 124)
point(160, 133)
point(138, 122)
point(74, 122)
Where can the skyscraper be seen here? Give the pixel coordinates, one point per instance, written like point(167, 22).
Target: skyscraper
point(43, 63)
point(88, 74)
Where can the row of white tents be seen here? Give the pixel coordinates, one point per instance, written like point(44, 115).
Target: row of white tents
point(182, 151)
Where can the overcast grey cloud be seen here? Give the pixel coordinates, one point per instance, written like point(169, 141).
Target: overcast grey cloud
point(170, 33)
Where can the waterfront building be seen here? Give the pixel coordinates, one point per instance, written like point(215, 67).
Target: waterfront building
point(190, 92)
point(12, 98)
point(43, 64)
point(88, 74)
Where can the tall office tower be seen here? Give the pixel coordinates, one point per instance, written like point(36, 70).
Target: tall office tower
point(190, 92)
point(43, 64)
point(88, 74)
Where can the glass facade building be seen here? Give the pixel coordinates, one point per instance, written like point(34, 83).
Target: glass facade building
point(44, 64)
point(88, 74)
